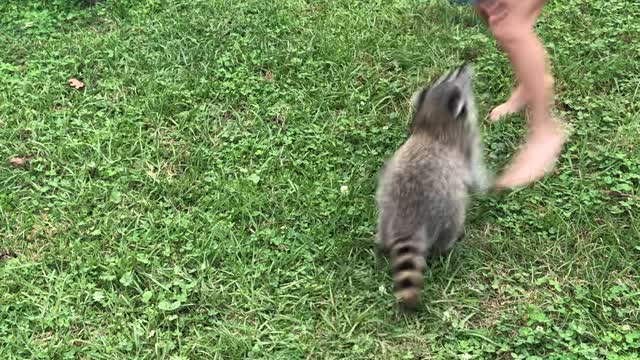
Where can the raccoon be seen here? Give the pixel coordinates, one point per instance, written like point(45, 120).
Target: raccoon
point(423, 189)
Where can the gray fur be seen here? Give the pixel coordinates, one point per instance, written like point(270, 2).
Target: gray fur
point(423, 189)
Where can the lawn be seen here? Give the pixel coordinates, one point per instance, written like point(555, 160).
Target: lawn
point(209, 191)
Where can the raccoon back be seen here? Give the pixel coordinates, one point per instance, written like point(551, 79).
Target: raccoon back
point(422, 168)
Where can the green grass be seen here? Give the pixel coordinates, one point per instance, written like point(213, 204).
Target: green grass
point(186, 203)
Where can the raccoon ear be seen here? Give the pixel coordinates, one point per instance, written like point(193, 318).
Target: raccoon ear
point(455, 103)
point(418, 98)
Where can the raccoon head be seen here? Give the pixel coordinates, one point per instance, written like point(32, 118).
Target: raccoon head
point(446, 108)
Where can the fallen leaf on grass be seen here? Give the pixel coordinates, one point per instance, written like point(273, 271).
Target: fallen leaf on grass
point(19, 161)
point(268, 75)
point(76, 83)
point(5, 254)
point(278, 119)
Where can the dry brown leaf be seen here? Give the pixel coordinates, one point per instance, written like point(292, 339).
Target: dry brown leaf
point(19, 161)
point(268, 75)
point(6, 254)
point(278, 119)
point(76, 83)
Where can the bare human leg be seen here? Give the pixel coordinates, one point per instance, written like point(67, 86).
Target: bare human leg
point(518, 100)
point(511, 22)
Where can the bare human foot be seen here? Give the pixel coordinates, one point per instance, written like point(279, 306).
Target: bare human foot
point(517, 101)
point(535, 159)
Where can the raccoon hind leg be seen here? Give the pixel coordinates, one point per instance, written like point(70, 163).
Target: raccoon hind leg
point(383, 231)
point(446, 241)
point(449, 236)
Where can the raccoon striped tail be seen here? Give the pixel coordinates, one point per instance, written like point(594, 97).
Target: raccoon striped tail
point(408, 264)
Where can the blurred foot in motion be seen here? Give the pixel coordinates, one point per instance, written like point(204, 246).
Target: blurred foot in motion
point(511, 22)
